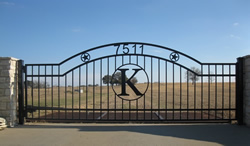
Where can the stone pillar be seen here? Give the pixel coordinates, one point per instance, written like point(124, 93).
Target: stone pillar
point(9, 89)
point(246, 88)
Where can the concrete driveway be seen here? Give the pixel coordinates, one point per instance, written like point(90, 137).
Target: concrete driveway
point(126, 135)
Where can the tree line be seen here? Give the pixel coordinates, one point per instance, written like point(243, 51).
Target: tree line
point(193, 77)
point(117, 79)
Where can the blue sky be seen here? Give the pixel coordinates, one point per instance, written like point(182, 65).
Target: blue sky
point(49, 31)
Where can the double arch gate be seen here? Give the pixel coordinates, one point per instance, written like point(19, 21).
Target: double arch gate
point(130, 81)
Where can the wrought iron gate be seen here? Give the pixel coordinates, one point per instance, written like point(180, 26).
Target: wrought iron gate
point(130, 81)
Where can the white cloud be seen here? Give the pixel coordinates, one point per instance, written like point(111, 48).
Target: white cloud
point(234, 36)
point(7, 3)
point(236, 24)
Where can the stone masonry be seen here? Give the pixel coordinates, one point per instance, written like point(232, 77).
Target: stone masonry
point(246, 94)
point(8, 89)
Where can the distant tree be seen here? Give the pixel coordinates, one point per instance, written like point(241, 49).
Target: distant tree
point(41, 84)
point(211, 78)
point(117, 79)
point(134, 80)
point(107, 79)
point(29, 83)
point(190, 76)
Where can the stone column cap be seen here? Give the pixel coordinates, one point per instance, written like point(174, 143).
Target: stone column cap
point(9, 58)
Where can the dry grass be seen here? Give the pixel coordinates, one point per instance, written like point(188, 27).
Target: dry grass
point(158, 96)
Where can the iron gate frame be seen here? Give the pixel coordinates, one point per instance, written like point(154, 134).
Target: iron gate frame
point(24, 108)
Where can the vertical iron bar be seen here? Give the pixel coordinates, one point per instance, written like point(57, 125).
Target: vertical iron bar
point(86, 91)
point(216, 92)
point(137, 109)
point(122, 109)
point(26, 91)
point(79, 92)
point(202, 92)
point(222, 91)
point(45, 92)
point(52, 103)
point(187, 94)
point(136, 56)
point(144, 97)
point(151, 87)
point(166, 89)
point(173, 93)
point(93, 90)
point(137, 59)
point(100, 89)
point(32, 89)
point(159, 95)
point(65, 96)
point(72, 94)
point(20, 91)
point(39, 92)
point(122, 59)
point(59, 94)
point(115, 94)
point(108, 88)
point(129, 110)
point(195, 99)
point(239, 90)
point(229, 92)
point(209, 91)
point(180, 93)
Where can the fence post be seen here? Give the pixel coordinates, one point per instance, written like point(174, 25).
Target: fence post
point(20, 92)
point(239, 90)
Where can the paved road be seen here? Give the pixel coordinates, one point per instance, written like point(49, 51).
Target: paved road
point(126, 135)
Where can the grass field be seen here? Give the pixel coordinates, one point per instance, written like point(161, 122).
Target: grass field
point(159, 96)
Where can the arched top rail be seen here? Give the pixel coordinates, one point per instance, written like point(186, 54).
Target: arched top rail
point(127, 48)
point(127, 43)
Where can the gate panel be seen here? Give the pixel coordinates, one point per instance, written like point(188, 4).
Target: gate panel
point(130, 82)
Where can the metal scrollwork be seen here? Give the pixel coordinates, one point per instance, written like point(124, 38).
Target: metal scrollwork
point(85, 57)
point(174, 56)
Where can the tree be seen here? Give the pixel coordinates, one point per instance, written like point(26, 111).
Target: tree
point(107, 79)
point(192, 76)
point(211, 78)
point(28, 83)
point(117, 79)
point(134, 80)
point(40, 84)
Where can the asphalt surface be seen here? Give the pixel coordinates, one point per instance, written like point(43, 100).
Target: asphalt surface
point(40, 134)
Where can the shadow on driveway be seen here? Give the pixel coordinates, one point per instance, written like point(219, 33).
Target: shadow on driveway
point(224, 134)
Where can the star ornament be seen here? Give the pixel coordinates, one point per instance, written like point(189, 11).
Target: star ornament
point(85, 57)
point(174, 56)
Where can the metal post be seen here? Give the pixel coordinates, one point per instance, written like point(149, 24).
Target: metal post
point(239, 90)
point(20, 92)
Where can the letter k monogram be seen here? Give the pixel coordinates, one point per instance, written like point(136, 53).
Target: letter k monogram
point(131, 85)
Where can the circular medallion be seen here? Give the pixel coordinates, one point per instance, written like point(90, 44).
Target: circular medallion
point(85, 57)
point(174, 56)
point(130, 81)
